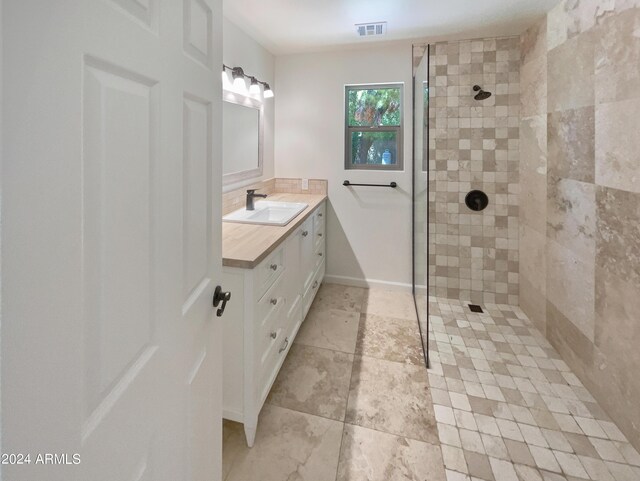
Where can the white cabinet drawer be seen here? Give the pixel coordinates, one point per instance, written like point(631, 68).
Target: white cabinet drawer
point(271, 362)
point(319, 229)
point(307, 258)
point(319, 215)
point(318, 235)
point(310, 294)
point(318, 255)
point(267, 369)
point(272, 312)
point(270, 304)
point(269, 270)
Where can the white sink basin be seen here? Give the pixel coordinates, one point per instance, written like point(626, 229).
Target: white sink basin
point(267, 213)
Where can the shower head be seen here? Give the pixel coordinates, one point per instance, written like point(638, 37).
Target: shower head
point(481, 95)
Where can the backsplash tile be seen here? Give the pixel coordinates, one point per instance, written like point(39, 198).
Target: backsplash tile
point(236, 199)
point(294, 186)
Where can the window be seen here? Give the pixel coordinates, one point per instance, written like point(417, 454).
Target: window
point(373, 127)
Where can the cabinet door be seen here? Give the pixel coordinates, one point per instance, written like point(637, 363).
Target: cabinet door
point(293, 277)
point(307, 258)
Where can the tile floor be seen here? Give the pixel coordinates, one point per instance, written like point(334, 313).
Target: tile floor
point(351, 402)
point(509, 409)
point(354, 402)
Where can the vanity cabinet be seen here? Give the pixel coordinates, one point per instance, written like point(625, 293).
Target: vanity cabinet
point(268, 305)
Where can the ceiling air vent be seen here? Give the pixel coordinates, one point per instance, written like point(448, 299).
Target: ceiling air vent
point(371, 29)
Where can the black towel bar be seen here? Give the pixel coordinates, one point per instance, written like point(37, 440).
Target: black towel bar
point(393, 185)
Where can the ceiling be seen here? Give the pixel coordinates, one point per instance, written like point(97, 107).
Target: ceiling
point(293, 26)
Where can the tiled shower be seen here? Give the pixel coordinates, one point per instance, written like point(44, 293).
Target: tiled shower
point(474, 145)
point(555, 148)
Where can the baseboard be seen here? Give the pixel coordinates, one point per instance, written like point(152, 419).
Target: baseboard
point(367, 283)
point(422, 290)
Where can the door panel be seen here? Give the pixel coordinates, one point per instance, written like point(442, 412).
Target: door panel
point(196, 202)
point(198, 31)
point(145, 11)
point(119, 135)
point(111, 238)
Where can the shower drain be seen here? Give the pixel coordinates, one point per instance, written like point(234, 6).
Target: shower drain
point(475, 308)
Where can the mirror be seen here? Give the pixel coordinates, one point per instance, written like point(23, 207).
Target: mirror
point(242, 135)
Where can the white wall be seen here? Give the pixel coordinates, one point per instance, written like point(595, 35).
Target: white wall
point(369, 229)
point(240, 50)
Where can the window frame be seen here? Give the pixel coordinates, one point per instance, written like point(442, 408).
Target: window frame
point(348, 130)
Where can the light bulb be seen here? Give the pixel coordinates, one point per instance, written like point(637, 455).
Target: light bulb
point(268, 93)
point(239, 85)
point(226, 81)
point(254, 89)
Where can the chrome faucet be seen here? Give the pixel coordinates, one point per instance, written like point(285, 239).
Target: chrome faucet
point(251, 194)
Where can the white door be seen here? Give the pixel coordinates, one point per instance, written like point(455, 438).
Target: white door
point(111, 239)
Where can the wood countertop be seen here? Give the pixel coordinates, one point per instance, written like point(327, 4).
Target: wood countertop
point(246, 245)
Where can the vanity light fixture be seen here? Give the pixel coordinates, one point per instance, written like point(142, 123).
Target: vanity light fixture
point(240, 85)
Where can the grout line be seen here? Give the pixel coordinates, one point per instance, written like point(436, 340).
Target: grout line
point(307, 413)
point(325, 348)
point(344, 424)
point(402, 363)
point(396, 435)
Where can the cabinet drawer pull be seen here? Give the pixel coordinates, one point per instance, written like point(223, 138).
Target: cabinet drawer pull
point(305, 233)
point(319, 214)
point(273, 334)
point(273, 301)
point(315, 284)
point(285, 345)
point(319, 234)
point(274, 267)
point(320, 254)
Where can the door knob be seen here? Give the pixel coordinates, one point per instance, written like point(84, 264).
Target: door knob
point(220, 296)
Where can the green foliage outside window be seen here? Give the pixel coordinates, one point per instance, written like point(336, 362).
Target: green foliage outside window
point(374, 107)
point(374, 121)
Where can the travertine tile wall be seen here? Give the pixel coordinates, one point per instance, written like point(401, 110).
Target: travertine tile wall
point(590, 110)
point(533, 173)
point(474, 144)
